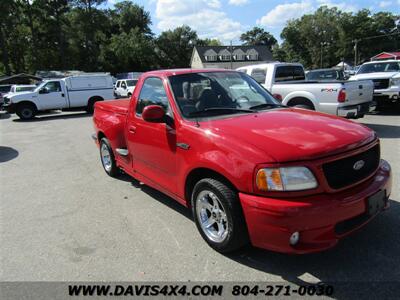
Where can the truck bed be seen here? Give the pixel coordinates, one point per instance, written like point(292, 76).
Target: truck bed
point(119, 106)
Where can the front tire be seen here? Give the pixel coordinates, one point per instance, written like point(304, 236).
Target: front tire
point(218, 215)
point(107, 158)
point(26, 111)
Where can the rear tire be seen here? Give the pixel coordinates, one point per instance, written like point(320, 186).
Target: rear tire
point(26, 111)
point(107, 158)
point(218, 215)
point(91, 102)
point(129, 95)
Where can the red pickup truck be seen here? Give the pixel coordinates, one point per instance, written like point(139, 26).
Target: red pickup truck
point(252, 170)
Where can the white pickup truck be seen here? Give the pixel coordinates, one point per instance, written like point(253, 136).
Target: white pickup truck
point(286, 81)
point(80, 91)
point(124, 88)
point(386, 77)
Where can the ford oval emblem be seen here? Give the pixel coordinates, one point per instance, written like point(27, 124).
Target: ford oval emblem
point(358, 165)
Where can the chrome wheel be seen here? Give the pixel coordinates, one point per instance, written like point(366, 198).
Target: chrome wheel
point(211, 216)
point(105, 157)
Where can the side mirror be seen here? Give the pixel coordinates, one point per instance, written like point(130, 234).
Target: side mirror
point(154, 114)
point(43, 91)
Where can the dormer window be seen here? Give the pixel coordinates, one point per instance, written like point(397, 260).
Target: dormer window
point(211, 58)
point(224, 55)
point(238, 54)
point(211, 55)
point(252, 54)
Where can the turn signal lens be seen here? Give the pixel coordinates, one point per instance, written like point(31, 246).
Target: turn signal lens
point(269, 180)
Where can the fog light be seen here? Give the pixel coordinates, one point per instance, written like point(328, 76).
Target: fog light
point(294, 238)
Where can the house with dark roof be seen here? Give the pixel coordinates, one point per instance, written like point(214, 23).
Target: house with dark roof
point(229, 57)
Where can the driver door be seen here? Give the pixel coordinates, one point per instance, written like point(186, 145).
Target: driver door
point(51, 96)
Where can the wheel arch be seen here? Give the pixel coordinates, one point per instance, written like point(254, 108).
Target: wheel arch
point(196, 175)
point(26, 102)
point(301, 100)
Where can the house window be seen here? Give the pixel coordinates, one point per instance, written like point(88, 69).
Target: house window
point(211, 58)
point(225, 57)
point(252, 57)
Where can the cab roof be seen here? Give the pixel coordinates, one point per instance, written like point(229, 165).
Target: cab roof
point(172, 72)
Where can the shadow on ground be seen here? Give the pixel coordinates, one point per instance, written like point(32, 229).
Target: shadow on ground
point(55, 116)
point(385, 131)
point(362, 265)
point(7, 153)
point(4, 115)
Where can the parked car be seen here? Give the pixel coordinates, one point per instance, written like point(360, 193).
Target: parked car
point(4, 89)
point(17, 88)
point(124, 88)
point(326, 75)
point(70, 92)
point(386, 77)
point(252, 170)
point(286, 81)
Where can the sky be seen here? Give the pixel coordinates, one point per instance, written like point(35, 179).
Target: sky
point(227, 19)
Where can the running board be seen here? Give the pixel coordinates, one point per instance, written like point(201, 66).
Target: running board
point(122, 151)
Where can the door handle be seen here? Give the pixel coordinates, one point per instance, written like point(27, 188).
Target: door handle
point(132, 129)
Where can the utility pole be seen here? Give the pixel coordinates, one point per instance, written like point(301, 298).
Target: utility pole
point(231, 56)
point(322, 44)
point(355, 51)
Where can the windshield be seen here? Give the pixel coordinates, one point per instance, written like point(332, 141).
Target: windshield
point(380, 67)
point(213, 93)
point(24, 88)
point(40, 86)
point(131, 82)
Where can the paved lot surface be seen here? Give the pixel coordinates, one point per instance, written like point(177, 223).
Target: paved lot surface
point(62, 218)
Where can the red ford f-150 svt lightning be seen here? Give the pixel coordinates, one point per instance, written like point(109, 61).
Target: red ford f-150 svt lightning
point(252, 170)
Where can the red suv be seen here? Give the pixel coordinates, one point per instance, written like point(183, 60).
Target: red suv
point(286, 179)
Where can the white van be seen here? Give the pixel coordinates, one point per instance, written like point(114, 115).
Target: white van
point(70, 92)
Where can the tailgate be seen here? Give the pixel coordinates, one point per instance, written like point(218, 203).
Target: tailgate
point(359, 91)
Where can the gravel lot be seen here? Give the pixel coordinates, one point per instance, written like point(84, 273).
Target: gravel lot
point(63, 219)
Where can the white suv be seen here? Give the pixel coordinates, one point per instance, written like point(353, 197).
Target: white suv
point(124, 88)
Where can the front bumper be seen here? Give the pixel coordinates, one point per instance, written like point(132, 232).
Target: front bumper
point(10, 108)
point(271, 221)
point(356, 111)
point(393, 93)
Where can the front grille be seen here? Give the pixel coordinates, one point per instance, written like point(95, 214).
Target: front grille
point(343, 172)
point(381, 84)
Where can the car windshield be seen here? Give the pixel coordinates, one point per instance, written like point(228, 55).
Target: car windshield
point(380, 67)
point(24, 88)
point(216, 93)
point(131, 82)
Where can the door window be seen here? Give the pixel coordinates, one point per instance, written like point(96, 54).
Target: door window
point(152, 93)
point(123, 85)
point(118, 84)
point(258, 75)
point(53, 86)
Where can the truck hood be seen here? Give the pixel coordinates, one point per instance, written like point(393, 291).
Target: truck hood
point(378, 75)
point(292, 134)
point(21, 95)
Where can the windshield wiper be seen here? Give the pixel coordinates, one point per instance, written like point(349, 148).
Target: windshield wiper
point(220, 110)
point(266, 105)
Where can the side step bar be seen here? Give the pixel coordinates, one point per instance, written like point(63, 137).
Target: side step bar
point(122, 151)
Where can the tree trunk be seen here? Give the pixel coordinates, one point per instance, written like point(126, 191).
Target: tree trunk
point(4, 51)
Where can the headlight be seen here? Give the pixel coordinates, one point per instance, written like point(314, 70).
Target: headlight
point(395, 81)
point(285, 179)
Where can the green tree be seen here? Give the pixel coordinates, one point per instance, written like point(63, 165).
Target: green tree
point(258, 36)
point(174, 47)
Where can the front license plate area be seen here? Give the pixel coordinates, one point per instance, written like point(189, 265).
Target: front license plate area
point(376, 203)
